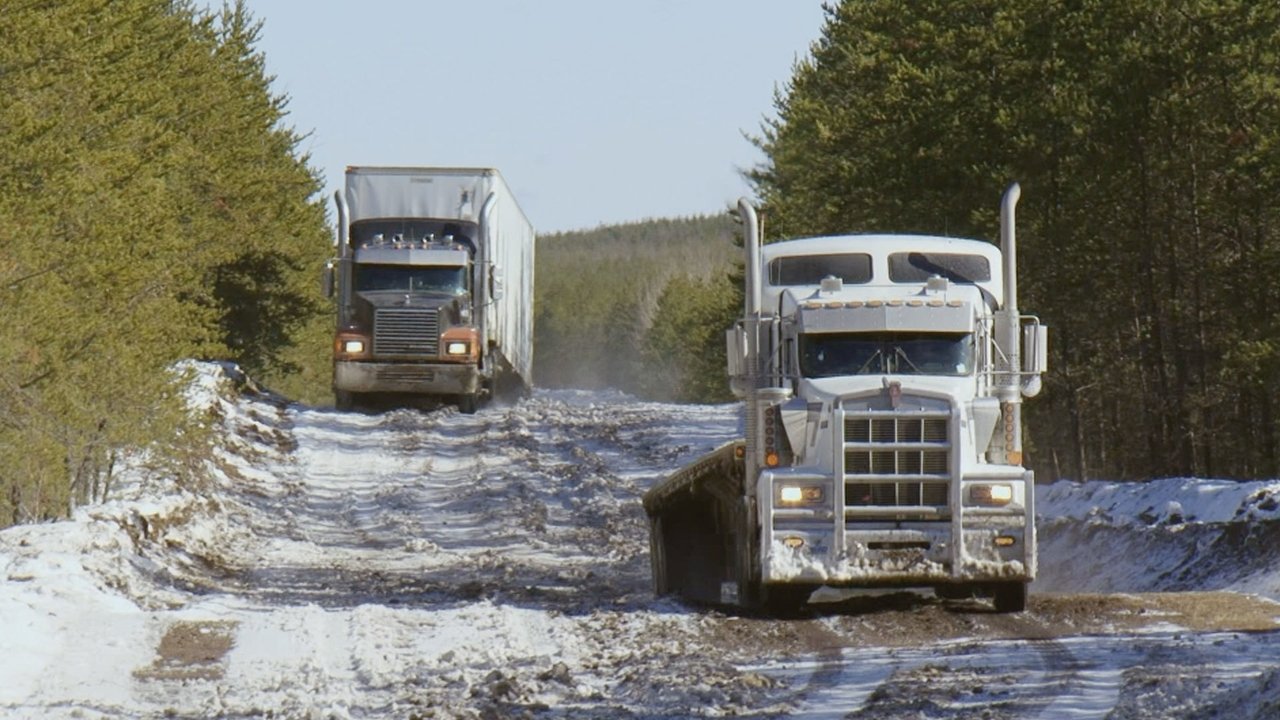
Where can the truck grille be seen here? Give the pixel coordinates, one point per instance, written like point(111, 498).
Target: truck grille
point(897, 459)
point(406, 331)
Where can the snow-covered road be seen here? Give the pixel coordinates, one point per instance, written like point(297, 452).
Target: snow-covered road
point(495, 565)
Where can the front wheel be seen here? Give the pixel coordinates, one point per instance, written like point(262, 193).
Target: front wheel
point(344, 400)
point(785, 601)
point(1010, 597)
point(467, 403)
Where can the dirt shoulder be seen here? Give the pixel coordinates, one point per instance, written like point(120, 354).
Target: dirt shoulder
point(910, 620)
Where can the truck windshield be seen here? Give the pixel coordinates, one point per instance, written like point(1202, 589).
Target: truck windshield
point(835, 354)
point(450, 280)
point(792, 270)
point(917, 267)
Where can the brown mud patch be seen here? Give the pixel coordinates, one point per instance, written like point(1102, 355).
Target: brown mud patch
point(191, 651)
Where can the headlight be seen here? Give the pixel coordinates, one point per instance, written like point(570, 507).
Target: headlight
point(800, 494)
point(350, 344)
point(460, 344)
point(990, 495)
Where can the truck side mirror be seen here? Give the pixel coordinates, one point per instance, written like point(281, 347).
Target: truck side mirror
point(1035, 357)
point(495, 283)
point(736, 350)
point(327, 278)
point(735, 341)
point(1035, 348)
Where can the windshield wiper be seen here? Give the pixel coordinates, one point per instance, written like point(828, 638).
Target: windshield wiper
point(862, 370)
point(898, 352)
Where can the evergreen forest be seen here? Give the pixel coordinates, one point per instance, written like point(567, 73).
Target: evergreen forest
point(640, 308)
point(155, 205)
point(1146, 137)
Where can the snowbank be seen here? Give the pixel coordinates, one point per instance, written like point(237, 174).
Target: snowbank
point(1170, 534)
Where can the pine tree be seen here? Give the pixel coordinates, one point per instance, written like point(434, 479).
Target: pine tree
point(1145, 138)
point(143, 164)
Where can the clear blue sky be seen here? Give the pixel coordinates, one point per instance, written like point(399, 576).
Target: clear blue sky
point(596, 112)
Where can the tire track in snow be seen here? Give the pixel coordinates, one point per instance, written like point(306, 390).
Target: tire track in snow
point(989, 679)
point(1029, 675)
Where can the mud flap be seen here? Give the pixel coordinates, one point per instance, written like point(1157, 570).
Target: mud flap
point(658, 559)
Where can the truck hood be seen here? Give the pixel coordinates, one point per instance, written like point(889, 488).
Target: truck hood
point(958, 389)
point(392, 298)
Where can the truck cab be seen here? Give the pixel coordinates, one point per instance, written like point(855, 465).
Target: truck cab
point(434, 288)
point(882, 378)
point(410, 325)
point(884, 466)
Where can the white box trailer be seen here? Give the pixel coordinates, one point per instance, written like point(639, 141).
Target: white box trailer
point(434, 286)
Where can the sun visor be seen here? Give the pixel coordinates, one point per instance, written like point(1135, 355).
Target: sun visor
point(414, 256)
point(417, 193)
point(892, 316)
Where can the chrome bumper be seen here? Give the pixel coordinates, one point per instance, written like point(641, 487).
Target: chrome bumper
point(415, 378)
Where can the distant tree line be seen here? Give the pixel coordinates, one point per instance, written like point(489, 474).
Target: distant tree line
point(1146, 137)
point(153, 207)
point(637, 307)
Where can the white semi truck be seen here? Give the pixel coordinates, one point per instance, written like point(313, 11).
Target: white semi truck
point(434, 287)
point(882, 378)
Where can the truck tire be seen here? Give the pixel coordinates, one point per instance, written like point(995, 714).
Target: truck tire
point(467, 403)
point(785, 601)
point(953, 592)
point(1010, 597)
point(344, 400)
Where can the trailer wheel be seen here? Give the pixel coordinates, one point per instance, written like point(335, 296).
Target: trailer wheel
point(1010, 597)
